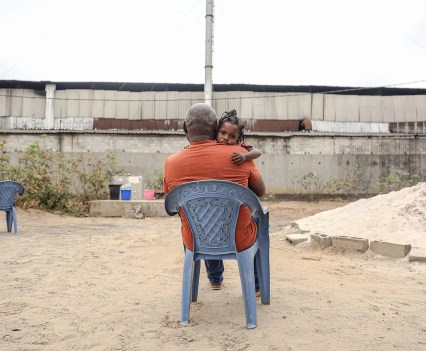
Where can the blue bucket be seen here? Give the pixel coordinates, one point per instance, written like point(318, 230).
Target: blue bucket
point(126, 194)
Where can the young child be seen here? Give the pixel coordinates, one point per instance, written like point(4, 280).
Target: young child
point(231, 132)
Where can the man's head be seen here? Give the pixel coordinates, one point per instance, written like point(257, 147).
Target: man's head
point(200, 123)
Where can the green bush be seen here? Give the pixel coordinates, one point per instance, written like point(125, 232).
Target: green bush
point(395, 181)
point(155, 180)
point(55, 181)
point(312, 186)
point(352, 182)
point(5, 168)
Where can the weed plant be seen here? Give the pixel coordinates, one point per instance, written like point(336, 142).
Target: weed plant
point(353, 183)
point(56, 182)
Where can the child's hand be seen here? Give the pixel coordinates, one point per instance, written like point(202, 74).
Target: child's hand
point(237, 158)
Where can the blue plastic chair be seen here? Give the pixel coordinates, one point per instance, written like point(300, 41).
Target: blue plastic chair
point(211, 208)
point(8, 191)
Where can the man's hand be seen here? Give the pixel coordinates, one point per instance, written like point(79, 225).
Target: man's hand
point(237, 158)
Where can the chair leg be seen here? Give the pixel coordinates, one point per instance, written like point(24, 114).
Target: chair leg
point(262, 261)
point(195, 280)
point(246, 268)
point(263, 274)
point(9, 221)
point(187, 286)
point(15, 220)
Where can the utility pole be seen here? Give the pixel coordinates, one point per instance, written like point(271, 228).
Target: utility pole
point(208, 68)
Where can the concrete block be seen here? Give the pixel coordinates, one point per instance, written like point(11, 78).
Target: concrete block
point(320, 240)
point(350, 243)
point(390, 249)
point(417, 255)
point(296, 238)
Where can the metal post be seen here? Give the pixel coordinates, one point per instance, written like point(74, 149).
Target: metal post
point(208, 68)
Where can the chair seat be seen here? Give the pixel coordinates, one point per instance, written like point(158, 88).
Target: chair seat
point(211, 208)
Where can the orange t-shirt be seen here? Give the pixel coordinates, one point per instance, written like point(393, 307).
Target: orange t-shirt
point(205, 160)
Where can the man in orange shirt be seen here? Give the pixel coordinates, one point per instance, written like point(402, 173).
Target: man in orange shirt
point(205, 159)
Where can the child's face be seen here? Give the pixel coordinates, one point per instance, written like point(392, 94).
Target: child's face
point(228, 134)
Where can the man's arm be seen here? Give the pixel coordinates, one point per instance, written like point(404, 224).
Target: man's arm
point(165, 177)
point(257, 186)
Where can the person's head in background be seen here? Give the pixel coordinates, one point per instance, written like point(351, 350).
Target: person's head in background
point(230, 129)
point(200, 123)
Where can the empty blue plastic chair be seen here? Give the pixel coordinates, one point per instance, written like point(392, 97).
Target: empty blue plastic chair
point(8, 191)
point(211, 208)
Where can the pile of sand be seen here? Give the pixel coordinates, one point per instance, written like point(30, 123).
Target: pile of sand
point(397, 217)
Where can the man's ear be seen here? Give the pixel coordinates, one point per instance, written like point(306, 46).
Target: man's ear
point(184, 128)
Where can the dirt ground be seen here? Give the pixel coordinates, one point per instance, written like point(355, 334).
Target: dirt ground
point(114, 284)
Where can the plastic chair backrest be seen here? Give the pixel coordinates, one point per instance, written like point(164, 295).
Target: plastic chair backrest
point(8, 191)
point(212, 208)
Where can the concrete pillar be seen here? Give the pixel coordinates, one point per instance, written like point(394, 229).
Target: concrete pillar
point(49, 118)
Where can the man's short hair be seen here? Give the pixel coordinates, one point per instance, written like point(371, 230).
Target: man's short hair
point(201, 119)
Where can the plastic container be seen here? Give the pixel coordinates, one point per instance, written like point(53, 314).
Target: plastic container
point(114, 191)
point(126, 194)
point(148, 194)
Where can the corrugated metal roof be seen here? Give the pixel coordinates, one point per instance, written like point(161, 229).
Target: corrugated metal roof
point(138, 87)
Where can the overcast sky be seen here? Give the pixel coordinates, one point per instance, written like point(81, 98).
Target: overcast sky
point(283, 42)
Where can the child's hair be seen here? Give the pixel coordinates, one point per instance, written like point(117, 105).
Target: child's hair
point(231, 117)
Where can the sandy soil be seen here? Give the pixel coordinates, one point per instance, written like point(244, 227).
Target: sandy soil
point(114, 284)
point(397, 217)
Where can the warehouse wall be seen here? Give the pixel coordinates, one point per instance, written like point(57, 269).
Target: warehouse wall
point(290, 163)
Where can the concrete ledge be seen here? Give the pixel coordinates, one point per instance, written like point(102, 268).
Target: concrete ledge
point(118, 208)
point(390, 249)
point(350, 243)
point(296, 238)
point(320, 240)
point(417, 256)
